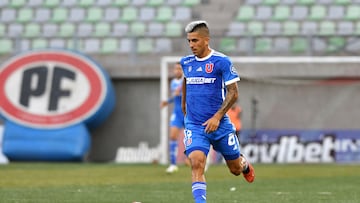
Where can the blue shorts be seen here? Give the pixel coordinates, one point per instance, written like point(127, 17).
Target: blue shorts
point(223, 140)
point(177, 120)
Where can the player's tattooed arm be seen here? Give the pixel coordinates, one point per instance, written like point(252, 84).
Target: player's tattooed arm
point(232, 95)
point(213, 123)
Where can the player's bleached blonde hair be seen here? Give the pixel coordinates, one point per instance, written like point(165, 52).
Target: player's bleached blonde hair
point(196, 26)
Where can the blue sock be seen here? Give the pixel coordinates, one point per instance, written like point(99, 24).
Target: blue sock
point(173, 151)
point(199, 192)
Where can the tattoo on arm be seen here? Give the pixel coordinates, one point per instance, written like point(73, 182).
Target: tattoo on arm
point(231, 97)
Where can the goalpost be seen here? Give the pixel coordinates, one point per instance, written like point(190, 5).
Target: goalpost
point(286, 64)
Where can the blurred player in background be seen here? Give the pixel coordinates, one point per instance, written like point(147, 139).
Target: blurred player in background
point(234, 114)
point(177, 116)
point(209, 90)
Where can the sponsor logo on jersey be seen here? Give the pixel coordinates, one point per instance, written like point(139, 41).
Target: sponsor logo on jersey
point(200, 80)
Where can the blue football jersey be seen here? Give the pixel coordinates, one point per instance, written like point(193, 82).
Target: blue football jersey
point(206, 80)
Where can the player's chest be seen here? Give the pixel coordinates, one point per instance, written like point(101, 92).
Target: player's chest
point(204, 69)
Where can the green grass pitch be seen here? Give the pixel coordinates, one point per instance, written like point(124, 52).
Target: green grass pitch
point(106, 182)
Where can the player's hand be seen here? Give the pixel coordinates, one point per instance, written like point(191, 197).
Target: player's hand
point(163, 104)
point(211, 125)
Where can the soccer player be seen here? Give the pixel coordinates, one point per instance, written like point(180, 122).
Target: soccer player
point(177, 116)
point(209, 90)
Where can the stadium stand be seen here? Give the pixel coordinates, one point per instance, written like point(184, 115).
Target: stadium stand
point(248, 27)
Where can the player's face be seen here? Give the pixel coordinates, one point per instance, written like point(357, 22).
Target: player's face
point(198, 44)
point(178, 71)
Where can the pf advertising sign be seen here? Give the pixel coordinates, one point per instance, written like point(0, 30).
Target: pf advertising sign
point(49, 99)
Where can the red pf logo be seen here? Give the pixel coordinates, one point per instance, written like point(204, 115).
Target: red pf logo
point(50, 89)
point(209, 67)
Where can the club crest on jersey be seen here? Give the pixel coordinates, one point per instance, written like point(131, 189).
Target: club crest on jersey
point(233, 70)
point(209, 67)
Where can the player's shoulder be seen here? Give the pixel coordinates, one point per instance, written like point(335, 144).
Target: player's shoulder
point(220, 56)
point(187, 59)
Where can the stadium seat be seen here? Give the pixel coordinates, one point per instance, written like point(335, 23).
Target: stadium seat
point(299, 45)
point(91, 45)
point(227, 45)
point(309, 28)
point(120, 29)
point(129, 14)
point(147, 14)
point(25, 15)
point(173, 2)
point(17, 3)
point(317, 13)
point(57, 43)
point(69, 3)
point(104, 3)
point(60, 15)
point(32, 30)
point(291, 28)
point(76, 14)
point(270, 2)
point(155, 29)
point(144, 45)
point(263, 13)
point(111, 14)
point(255, 28)
point(6, 46)
point(352, 12)
point(263, 45)
point(281, 13)
point(164, 14)
point(50, 30)
point(8, 15)
point(306, 2)
point(51, 3)
point(94, 14)
point(35, 3)
point(281, 44)
point(173, 29)
point(67, 30)
point(86, 3)
point(4, 3)
point(345, 28)
point(191, 3)
point(318, 45)
point(335, 43)
point(289, 2)
point(2, 30)
point(15, 29)
point(121, 3)
point(236, 29)
point(357, 28)
point(182, 14)
point(327, 28)
point(42, 15)
point(109, 45)
point(127, 45)
point(353, 44)
point(245, 13)
point(24, 45)
point(137, 28)
point(102, 29)
point(39, 43)
point(75, 44)
point(335, 13)
point(163, 45)
point(342, 2)
point(299, 12)
point(155, 3)
point(273, 28)
point(84, 30)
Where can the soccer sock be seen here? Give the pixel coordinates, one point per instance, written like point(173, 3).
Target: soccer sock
point(246, 168)
point(173, 151)
point(199, 192)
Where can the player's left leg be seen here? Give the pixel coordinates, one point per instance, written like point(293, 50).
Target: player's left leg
point(241, 165)
point(173, 148)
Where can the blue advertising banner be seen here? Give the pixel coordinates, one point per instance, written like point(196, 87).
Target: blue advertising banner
point(301, 146)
